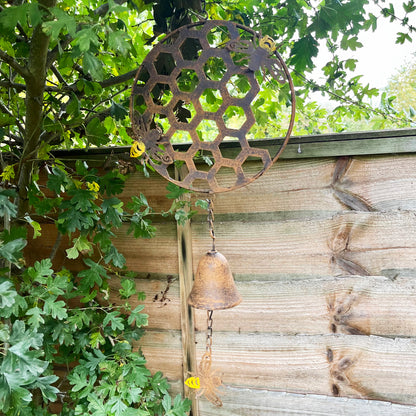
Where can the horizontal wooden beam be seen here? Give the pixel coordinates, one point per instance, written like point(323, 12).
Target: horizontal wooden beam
point(322, 145)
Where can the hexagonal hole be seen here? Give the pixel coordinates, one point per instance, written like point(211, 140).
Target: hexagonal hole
point(191, 49)
point(238, 86)
point(143, 76)
point(218, 36)
point(226, 177)
point(207, 130)
point(161, 94)
point(230, 152)
point(204, 160)
point(164, 63)
point(215, 68)
point(234, 117)
point(184, 112)
point(211, 100)
point(181, 136)
point(139, 104)
point(253, 163)
point(187, 80)
point(161, 121)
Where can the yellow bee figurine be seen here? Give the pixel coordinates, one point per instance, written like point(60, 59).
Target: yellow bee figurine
point(193, 382)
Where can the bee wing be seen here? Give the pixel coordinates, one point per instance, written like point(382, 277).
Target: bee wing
point(276, 70)
point(240, 46)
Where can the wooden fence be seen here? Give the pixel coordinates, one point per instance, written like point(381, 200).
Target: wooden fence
point(323, 251)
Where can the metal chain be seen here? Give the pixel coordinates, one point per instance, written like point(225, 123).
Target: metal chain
point(209, 331)
point(211, 222)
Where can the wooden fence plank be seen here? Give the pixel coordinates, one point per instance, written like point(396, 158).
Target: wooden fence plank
point(249, 402)
point(184, 244)
point(162, 302)
point(362, 367)
point(350, 242)
point(154, 255)
point(370, 305)
point(386, 182)
point(163, 352)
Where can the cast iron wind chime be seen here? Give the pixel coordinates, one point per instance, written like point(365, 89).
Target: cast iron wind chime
point(201, 83)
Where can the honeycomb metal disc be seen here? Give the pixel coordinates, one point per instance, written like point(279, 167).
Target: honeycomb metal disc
point(200, 85)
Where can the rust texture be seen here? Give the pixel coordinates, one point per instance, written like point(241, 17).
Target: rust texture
point(189, 87)
point(214, 287)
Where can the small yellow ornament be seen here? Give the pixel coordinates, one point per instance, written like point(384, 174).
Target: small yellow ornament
point(137, 149)
point(267, 43)
point(193, 382)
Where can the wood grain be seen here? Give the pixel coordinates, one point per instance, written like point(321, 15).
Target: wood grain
point(379, 368)
point(249, 402)
point(376, 241)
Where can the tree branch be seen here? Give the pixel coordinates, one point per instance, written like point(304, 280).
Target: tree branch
point(5, 110)
point(119, 79)
point(21, 70)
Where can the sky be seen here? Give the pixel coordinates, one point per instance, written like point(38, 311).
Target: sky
point(380, 57)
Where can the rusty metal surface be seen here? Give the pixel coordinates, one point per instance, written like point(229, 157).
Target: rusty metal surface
point(214, 287)
point(193, 67)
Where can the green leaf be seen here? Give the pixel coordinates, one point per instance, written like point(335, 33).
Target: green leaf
point(119, 42)
point(41, 270)
point(49, 392)
point(96, 339)
point(96, 406)
point(92, 276)
point(36, 318)
point(73, 107)
point(12, 251)
point(302, 52)
point(93, 66)
point(115, 257)
point(118, 406)
point(63, 21)
point(115, 321)
point(141, 228)
point(350, 43)
point(57, 180)
point(128, 288)
point(94, 360)
point(140, 319)
point(117, 111)
point(112, 183)
point(35, 225)
point(112, 211)
point(10, 16)
point(167, 402)
point(181, 407)
point(402, 38)
point(175, 191)
point(86, 39)
point(96, 132)
point(56, 309)
point(6, 206)
point(7, 294)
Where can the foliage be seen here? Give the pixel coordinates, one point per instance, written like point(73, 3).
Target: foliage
point(54, 319)
point(402, 87)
